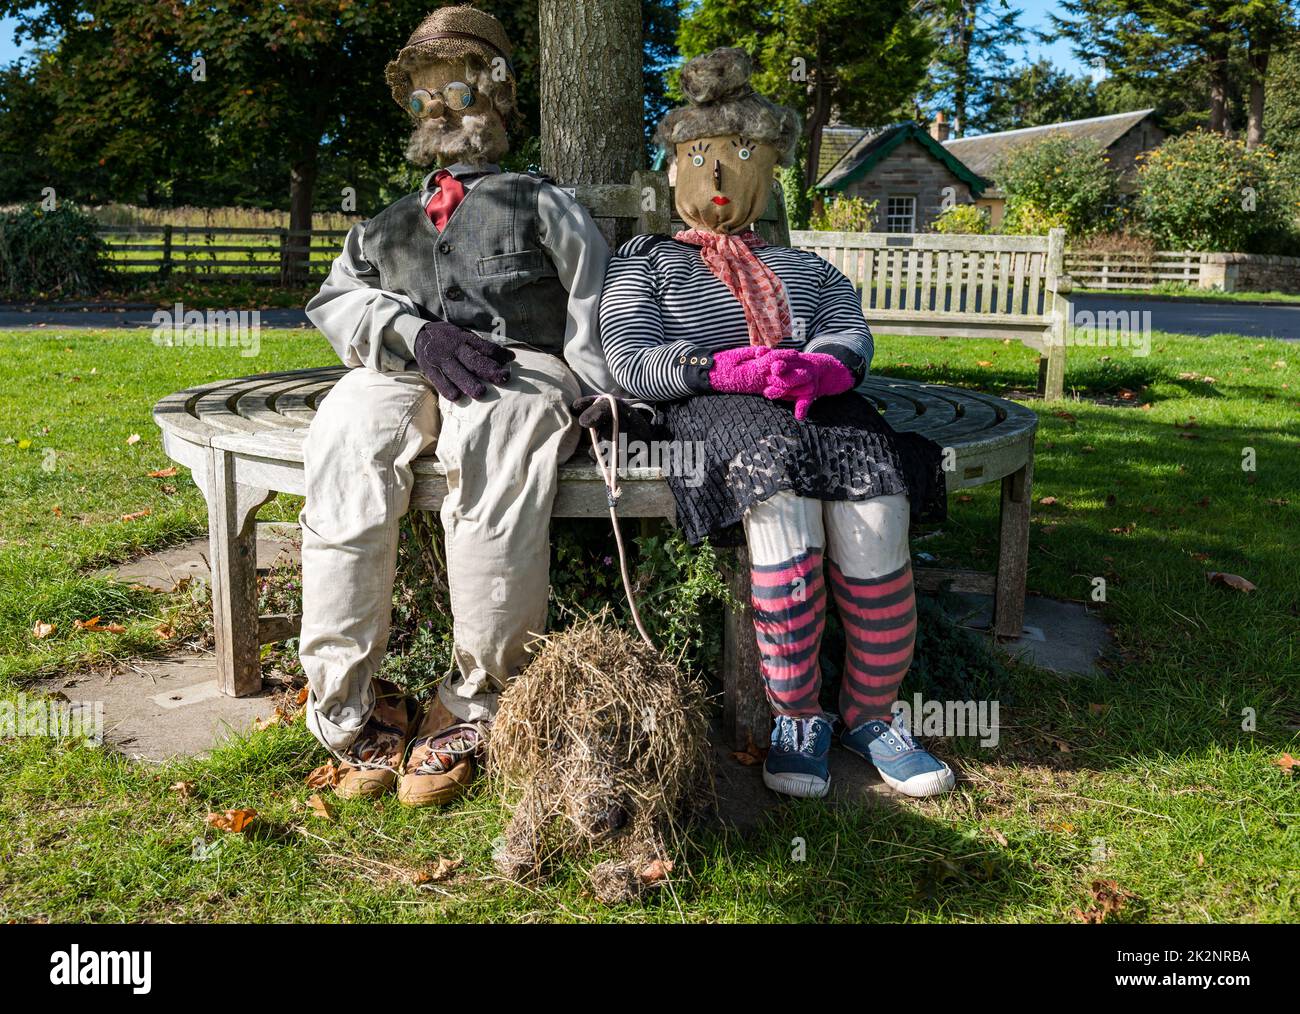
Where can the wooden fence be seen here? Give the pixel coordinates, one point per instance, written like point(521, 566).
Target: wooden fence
point(1107, 269)
point(271, 256)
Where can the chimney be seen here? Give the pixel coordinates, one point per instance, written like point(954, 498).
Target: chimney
point(939, 128)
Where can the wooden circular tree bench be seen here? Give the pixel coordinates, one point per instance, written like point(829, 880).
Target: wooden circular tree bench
point(242, 440)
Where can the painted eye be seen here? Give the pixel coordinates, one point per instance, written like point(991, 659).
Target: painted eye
point(458, 95)
point(697, 160)
point(743, 154)
point(419, 102)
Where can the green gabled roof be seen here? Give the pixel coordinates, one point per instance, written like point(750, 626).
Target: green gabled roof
point(874, 146)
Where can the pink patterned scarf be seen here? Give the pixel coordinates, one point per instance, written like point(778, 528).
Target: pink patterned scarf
point(760, 291)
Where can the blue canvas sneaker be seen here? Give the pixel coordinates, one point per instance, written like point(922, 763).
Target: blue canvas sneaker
point(797, 764)
point(902, 764)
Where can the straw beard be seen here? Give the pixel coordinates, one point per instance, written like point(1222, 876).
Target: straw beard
point(478, 139)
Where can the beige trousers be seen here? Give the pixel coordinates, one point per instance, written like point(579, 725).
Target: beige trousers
point(501, 455)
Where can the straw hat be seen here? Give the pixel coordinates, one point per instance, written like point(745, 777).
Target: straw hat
point(448, 33)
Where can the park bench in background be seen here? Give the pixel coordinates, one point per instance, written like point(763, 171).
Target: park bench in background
point(242, 440)
point(960, 286)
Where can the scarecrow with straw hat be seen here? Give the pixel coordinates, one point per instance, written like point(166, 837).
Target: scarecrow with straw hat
point(467, 311)
point(753, 351)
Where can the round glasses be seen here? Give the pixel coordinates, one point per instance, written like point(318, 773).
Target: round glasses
point(455, 95)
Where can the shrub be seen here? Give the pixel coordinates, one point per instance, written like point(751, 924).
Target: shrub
point(798, 206)
point(1059, 181)
point(45, 254)
point(845, 214)
point(1204, 191)
point(962, 219)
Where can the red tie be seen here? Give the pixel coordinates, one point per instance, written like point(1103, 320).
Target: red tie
point(449, 194)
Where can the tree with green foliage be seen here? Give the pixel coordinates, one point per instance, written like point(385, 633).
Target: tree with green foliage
point(1191, 44)
point(970, 58)
point(1059, 181)
point(862, 61)
point(1037, 94)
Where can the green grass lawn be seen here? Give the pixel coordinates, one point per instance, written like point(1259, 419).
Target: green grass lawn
point(1144, 777)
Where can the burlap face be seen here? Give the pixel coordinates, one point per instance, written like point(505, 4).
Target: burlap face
point(476, 134)
point(729, 187)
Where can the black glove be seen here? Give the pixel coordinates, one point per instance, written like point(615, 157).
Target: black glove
point(636, 422)
point(456, 361)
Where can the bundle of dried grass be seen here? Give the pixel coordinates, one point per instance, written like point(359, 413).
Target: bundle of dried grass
point(599, 744)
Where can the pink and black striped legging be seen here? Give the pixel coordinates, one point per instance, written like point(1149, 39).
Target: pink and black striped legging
point(870, 574)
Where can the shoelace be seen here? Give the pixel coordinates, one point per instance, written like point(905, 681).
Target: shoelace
point(468, 743)
point(799, 734)
point(379, 742)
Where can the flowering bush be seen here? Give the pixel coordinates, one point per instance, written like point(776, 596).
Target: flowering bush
point(1059, 181)
point(1204, 191)
point(959, 219)
point(845, 214)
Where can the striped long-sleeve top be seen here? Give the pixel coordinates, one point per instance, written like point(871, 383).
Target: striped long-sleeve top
point(663, 313)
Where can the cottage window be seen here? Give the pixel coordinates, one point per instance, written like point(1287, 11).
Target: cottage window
point(900, 214)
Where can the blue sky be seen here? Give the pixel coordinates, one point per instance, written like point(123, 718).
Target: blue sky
point(1035, 16)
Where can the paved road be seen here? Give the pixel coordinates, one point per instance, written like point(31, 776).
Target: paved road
point(22, 318)
point(1204, 318)
point(1178, 317)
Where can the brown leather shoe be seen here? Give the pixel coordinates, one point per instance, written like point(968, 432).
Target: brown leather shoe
point(370, 765)
point(443, 762)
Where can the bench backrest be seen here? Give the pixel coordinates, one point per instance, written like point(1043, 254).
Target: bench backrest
point(948, 280)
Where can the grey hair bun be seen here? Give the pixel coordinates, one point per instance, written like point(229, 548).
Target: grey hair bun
point(722, 74)
point(722, 101)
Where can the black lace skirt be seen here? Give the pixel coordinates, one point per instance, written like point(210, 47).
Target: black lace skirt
point(752, 448)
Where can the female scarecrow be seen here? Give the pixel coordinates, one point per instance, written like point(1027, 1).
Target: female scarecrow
point(753, 351)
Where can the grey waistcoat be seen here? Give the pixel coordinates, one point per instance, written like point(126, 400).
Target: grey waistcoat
point(486, 271)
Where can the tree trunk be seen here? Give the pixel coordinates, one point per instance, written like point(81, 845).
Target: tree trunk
point(1219, 92)
point(821, 114)
point(591, 89)
point(302, 186)
point(1255, 114)
point(961, 84)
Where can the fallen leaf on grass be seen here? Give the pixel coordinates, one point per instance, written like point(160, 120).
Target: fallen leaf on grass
point(163, 473)
point(164, 631)
point(442, 870)
point(234, 821)
point(1108, 899)
point(137, 515)
point(997, 836)
point(1127, 529)
point(43, 630)
point(301, 699)
point(57, 511)
point(134, 438)
point(1099, 709)
point(965, 498)
point(657, 870)
point(325, 776)
point(93, 624)
point(983, 362)
point(1234, 581)
point(183, 789)
point(1286, 762)
point(320, 807)
point(1067, 416)
point(1048, 501)
point(275, 718)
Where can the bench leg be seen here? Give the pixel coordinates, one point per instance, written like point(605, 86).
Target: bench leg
point(1051, 373)
point(746, 714)
point(232, 541)
point(1013, 552)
